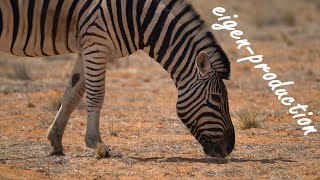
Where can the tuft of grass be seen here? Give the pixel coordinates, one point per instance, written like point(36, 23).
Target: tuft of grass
point(55, 103)
point(289, 18)
point(45, 120)
point(101, 151)
point(6, 91)
point(263, 19)
point(20, 71)
point(112, 130)
point(248, 118)
point(287, 39)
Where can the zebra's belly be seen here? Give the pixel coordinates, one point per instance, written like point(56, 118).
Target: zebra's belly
point(34, 47)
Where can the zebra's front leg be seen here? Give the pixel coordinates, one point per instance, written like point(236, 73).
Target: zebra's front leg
point(94, 71)
point(72, 96)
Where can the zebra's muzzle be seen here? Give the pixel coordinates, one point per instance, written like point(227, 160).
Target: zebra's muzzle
point(215, 149)
point(219, 147)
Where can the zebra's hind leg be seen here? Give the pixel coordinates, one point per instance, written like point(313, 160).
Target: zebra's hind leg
point(71, 98)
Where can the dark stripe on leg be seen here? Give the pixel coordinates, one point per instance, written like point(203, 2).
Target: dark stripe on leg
point(75, 79)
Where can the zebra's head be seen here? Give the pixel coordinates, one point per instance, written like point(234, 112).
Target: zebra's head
point(204, 109)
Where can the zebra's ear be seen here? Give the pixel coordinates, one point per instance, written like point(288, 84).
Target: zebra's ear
point(203, 63)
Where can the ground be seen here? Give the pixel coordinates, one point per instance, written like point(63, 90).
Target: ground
point(139, 121)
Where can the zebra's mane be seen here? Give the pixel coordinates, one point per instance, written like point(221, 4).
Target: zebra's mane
point(219, 60)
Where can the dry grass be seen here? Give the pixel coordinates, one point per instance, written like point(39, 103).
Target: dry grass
point(44, 120)
point(287, 39)
point(112, 130)
point(282, 18)
point(248, 118)
point(55, 103)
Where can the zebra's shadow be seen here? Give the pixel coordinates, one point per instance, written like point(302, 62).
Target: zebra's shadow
point(210, 160)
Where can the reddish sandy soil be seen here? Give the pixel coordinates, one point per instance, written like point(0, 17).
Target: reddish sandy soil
point(139, 121)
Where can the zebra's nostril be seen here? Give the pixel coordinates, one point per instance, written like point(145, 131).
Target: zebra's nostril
point(206, 148)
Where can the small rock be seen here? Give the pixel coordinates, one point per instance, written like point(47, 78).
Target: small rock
point(2, 161)
point(30, 105)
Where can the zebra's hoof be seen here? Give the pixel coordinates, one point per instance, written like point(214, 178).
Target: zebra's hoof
point(59, 153)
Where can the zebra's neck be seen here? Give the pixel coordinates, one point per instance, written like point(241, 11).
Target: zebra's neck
point(173, 34)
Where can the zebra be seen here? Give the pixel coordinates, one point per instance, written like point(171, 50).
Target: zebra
point(169, 31)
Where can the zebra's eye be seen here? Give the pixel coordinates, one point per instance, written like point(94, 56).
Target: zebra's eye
point(216, 98)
